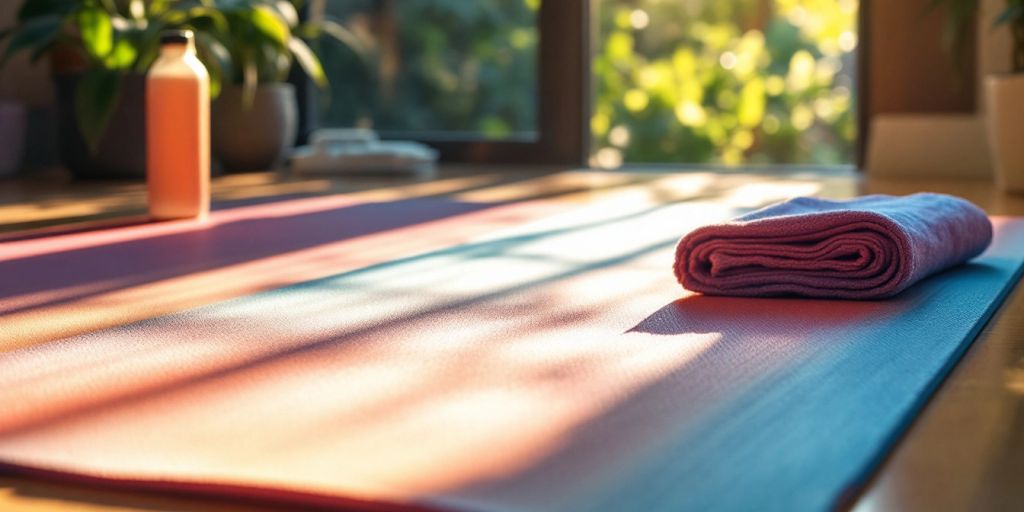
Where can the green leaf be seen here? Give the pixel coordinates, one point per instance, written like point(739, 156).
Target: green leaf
point(216, 58)
point(158, 7)
point(1011, 14)
point(278, 62)
point(97, 31)
point(37, 33)
point(37, 53)
point(341, 34)
point(95, 99)
point(147, 44)
point(36, 8)
point(268, 23)
point(122, 56)
point(250, 79)
point(216, 49)
point(206, 15)
point(108, 5)
point(216, 84)
point(286, 10)
point(173, 17)
point(308, 60)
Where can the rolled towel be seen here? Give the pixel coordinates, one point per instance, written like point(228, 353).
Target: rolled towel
point(866, 248)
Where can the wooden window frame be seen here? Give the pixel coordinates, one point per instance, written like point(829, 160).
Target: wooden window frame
point(863, 82)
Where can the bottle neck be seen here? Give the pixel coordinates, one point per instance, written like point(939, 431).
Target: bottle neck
point(178, 49)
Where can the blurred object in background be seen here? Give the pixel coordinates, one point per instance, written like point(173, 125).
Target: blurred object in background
point(725, 81)
point(360, 151)
point(27, 83)
point(262, 42)
point(436, 69)
point(99, 53)
point(13, 124)
point(929, 146)
point(1005, 98)
point(256, 135)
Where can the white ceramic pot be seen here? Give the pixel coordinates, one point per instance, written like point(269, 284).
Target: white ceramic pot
point(1006, 129)
point(12, 137)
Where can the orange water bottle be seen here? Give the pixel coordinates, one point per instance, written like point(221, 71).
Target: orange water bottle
point(178, 131)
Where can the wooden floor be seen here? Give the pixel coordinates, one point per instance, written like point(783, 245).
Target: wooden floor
point(965, 452)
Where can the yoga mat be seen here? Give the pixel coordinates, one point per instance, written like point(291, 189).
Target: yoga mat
point(553, 366)
point(59, 286)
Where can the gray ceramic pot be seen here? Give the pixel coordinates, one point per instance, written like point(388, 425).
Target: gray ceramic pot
point(258, 137)
point(122, 149)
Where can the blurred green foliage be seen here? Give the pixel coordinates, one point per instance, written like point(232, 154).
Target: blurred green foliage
point(693, 81)
point(725, 81)
point(436, 66)
point(244, 41)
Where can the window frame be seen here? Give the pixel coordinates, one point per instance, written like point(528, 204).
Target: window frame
point(564, 98)
point(863, 85)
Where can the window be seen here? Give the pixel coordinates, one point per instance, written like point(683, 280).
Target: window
point(467, 77)
point(435, 69)
point(725, 81)
point(731, 82)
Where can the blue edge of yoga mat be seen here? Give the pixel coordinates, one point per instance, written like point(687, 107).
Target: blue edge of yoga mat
point(820, 468)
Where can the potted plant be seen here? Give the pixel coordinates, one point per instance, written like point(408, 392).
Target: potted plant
point(255, 119)
point(1005, 94)
point(99, 52)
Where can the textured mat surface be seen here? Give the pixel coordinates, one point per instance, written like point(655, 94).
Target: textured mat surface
point(553, 366)
point(58, 286)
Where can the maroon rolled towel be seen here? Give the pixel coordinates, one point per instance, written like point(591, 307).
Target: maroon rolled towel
point(866, 248)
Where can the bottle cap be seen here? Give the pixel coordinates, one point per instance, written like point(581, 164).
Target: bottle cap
point(176, 37)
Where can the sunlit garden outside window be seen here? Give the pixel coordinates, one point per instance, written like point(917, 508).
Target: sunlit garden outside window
point(434, 68)
point(734, 82)
point(725, 81)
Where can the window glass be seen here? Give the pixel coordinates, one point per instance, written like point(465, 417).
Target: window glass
point(434, 68)
point(725, 81)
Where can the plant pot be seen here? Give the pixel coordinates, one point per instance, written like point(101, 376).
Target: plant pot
point(121, 152)
point(1005, 129)
point(258, 137)
point(13, 123)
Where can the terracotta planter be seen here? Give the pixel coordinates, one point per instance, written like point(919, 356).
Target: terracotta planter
point(122, 149)
point(1006, 129)
point(259, 137)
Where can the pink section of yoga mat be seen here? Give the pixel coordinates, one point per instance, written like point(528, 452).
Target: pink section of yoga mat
point(63, 285)
point(534, 368)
